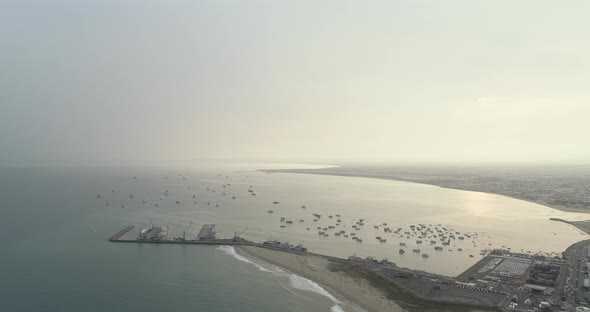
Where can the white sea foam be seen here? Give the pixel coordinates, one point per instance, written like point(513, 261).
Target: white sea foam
point(232, 252)
point(309, 285)
point(336, 308)
point(297, 281)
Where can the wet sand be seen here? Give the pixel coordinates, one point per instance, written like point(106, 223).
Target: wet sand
point(356, 291)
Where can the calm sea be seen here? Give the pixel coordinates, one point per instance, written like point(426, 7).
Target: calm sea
point(56, 257)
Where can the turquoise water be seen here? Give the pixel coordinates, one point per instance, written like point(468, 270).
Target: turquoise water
point(56, 257)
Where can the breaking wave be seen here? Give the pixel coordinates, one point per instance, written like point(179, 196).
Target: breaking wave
point(297, 281)
point(232, 252)
point(336, 308)
point(309, 285)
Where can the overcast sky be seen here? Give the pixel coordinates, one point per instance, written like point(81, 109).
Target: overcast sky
point(147, 82)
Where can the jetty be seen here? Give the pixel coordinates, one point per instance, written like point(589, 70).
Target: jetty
point(207, 232)
point(222, 241)
point(122, 232)
point(206, 236)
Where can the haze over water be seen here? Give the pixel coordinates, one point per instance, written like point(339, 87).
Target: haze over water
point(163, 82)
point(56, 257)
point(496, 220)
point(58, 226)
point(94, 93)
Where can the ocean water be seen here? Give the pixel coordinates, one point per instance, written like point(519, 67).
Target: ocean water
point(56, 257)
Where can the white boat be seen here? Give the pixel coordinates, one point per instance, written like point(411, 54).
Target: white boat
point(144, 232)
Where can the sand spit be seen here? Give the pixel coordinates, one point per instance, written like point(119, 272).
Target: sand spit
point(315, 268)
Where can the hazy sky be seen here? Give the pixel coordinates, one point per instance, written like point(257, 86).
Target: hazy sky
point(147, 82)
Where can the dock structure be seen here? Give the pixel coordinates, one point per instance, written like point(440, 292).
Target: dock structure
point(207, 232)
point(122, 232)
point(206, 237)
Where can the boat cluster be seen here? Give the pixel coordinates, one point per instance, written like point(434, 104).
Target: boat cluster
point(164, 195)
point(435, 236)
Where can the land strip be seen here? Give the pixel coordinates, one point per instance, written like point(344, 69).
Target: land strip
point(562, 188)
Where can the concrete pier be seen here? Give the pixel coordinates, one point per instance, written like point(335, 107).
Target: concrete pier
point(207, 232)
point(205, 237)
point(122, 232)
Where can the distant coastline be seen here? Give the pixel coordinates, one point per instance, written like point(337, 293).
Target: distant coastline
point(583, 226)
point(526, 189)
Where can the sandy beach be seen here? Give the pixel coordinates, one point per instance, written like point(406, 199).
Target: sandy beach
point(356, 291)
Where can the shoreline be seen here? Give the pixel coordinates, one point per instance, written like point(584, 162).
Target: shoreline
point(359, 286)
point(352, 294)
point(394, 178)
point(582, 226)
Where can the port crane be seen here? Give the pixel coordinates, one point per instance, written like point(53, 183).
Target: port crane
point(185, 231)
point(237, 235)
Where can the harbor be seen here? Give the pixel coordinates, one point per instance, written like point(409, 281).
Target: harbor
point(430, 260)
point(205, 237)
point(408, 237)
point(502, 279)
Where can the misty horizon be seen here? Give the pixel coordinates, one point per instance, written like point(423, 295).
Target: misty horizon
point(116, 84)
